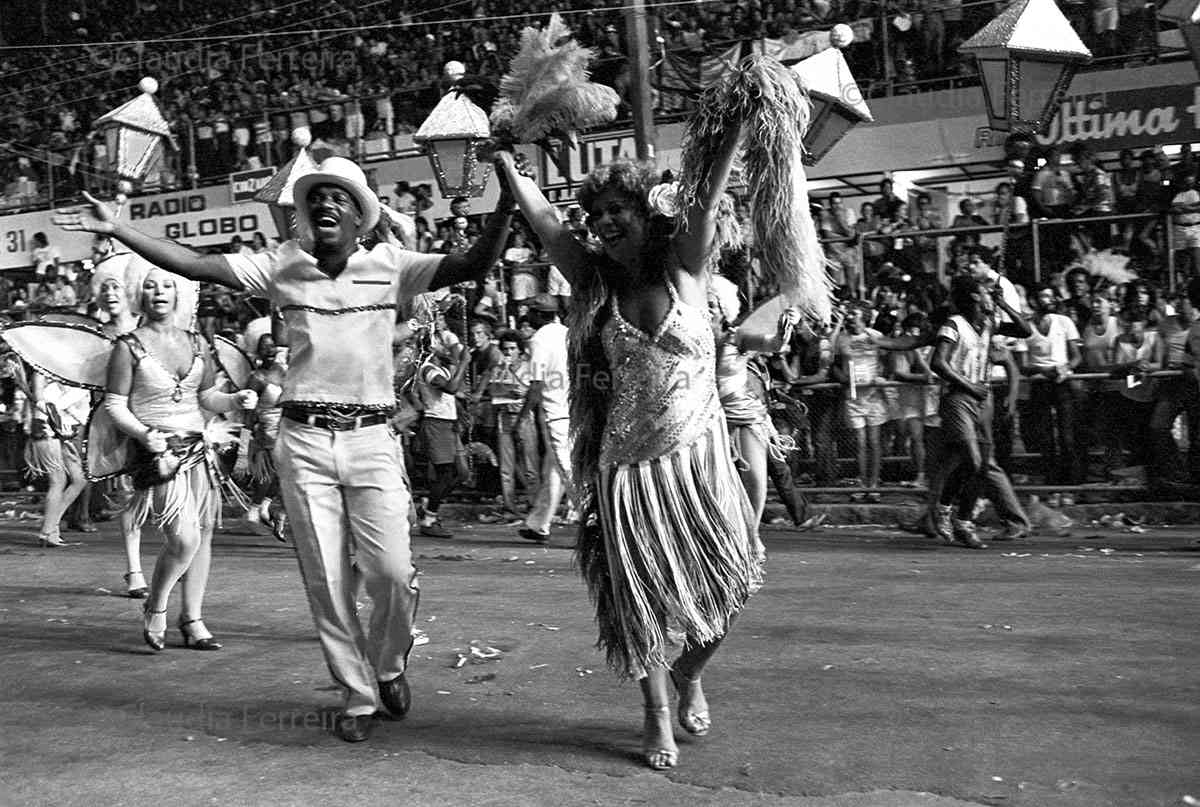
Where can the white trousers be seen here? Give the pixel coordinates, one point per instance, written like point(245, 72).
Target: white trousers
point(347, 500)
point(556, 476)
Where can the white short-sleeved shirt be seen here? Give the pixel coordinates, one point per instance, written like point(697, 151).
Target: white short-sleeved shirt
point(548, 363)
point(864, 364)
point(557, 283)
point(1050, 349)
point(437, 403)
point(971, 354)
point(340, 329)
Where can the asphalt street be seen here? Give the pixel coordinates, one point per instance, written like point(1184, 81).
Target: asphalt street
point(875, 669)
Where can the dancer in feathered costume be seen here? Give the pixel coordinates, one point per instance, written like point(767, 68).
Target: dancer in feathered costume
point(666, 542)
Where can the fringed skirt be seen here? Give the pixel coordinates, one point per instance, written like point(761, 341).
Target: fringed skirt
point(191, 495)
point(670, 551)
point(43, 457)
point(745, 412)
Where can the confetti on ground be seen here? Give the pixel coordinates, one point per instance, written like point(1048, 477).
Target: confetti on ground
point(479, 679)
point(538, 666)
point(543, 625)
point(582, 671)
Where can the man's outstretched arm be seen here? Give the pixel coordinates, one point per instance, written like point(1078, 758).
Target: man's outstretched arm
point(96, 217)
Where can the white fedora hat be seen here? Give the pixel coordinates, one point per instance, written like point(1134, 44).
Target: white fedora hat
point(345, 174)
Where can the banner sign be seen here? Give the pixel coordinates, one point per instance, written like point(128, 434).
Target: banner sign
point(1111, 121)
point(201, 218)
point(244, 184)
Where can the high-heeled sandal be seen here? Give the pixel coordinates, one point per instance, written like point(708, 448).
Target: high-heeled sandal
point(189, 640)
point(695, 723)
point(658, 758)
point(52, 538)
point(156, 640)
point(135, 585)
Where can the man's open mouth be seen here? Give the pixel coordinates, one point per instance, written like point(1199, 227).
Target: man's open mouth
point(325, 218)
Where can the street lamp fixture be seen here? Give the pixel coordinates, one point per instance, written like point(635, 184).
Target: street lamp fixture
point(136, 134)
point(837, 103)
point(450, 135)
point(1027, 57)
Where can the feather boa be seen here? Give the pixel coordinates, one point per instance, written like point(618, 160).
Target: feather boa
point(772, 106)
point(1109, 266)
point(546, 91)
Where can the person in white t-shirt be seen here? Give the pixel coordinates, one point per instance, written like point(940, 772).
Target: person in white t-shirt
point(340, 466)
point(1052, 353)
point(963, 357)
point(548, 397)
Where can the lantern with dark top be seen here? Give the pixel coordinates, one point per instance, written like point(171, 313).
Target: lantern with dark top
point(1027, 57)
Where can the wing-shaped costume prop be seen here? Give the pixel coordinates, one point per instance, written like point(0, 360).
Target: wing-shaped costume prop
point(68, 352)
point(68, 317)
point(764, 320)
point(232, 361)
point(107, 451)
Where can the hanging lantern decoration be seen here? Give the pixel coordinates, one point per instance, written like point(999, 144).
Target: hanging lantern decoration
point(450, 135)
point(1027, 57)
point(279, 192)
point(136, 134)
point(1186, 15)
point(837, 103)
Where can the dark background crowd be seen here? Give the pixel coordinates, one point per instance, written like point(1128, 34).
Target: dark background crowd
point(238, 78)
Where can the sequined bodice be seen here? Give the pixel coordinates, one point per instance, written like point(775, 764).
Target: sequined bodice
point(664, 391)
point(161, 399)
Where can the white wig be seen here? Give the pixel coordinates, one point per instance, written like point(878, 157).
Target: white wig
point(187, 292)
point(724, 293)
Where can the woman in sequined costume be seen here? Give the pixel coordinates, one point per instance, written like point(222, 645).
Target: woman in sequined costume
point(159, 377)
point(665, 544)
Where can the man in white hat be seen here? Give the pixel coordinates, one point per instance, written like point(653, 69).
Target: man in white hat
point(339, 464)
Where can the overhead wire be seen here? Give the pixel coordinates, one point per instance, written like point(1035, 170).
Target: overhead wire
point(167, 77)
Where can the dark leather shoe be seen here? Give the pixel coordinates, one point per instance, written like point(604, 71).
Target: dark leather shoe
point(82, 526)
point(533, 535)
point(396, 696)
point(353, 728)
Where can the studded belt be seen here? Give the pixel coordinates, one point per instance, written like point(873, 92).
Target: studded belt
point(334, 420)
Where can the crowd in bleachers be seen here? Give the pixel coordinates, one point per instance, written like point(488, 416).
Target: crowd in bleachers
point(240, 77)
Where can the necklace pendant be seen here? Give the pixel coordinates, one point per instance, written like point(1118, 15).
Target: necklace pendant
point(177, 394)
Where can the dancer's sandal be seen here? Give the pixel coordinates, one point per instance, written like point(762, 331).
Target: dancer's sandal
point(51, 538)
point(657, 757)
point(203, 641)
point(696, 723)
point(155, 640)
point(135, 585)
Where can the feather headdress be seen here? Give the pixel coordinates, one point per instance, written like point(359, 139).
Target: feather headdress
point(546, 91)
point(774, 110)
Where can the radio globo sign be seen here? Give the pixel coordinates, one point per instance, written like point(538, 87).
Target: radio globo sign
point(192, 219)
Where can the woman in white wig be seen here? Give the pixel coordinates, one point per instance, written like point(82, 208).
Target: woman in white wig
point(116, 311)
point(159, 377)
